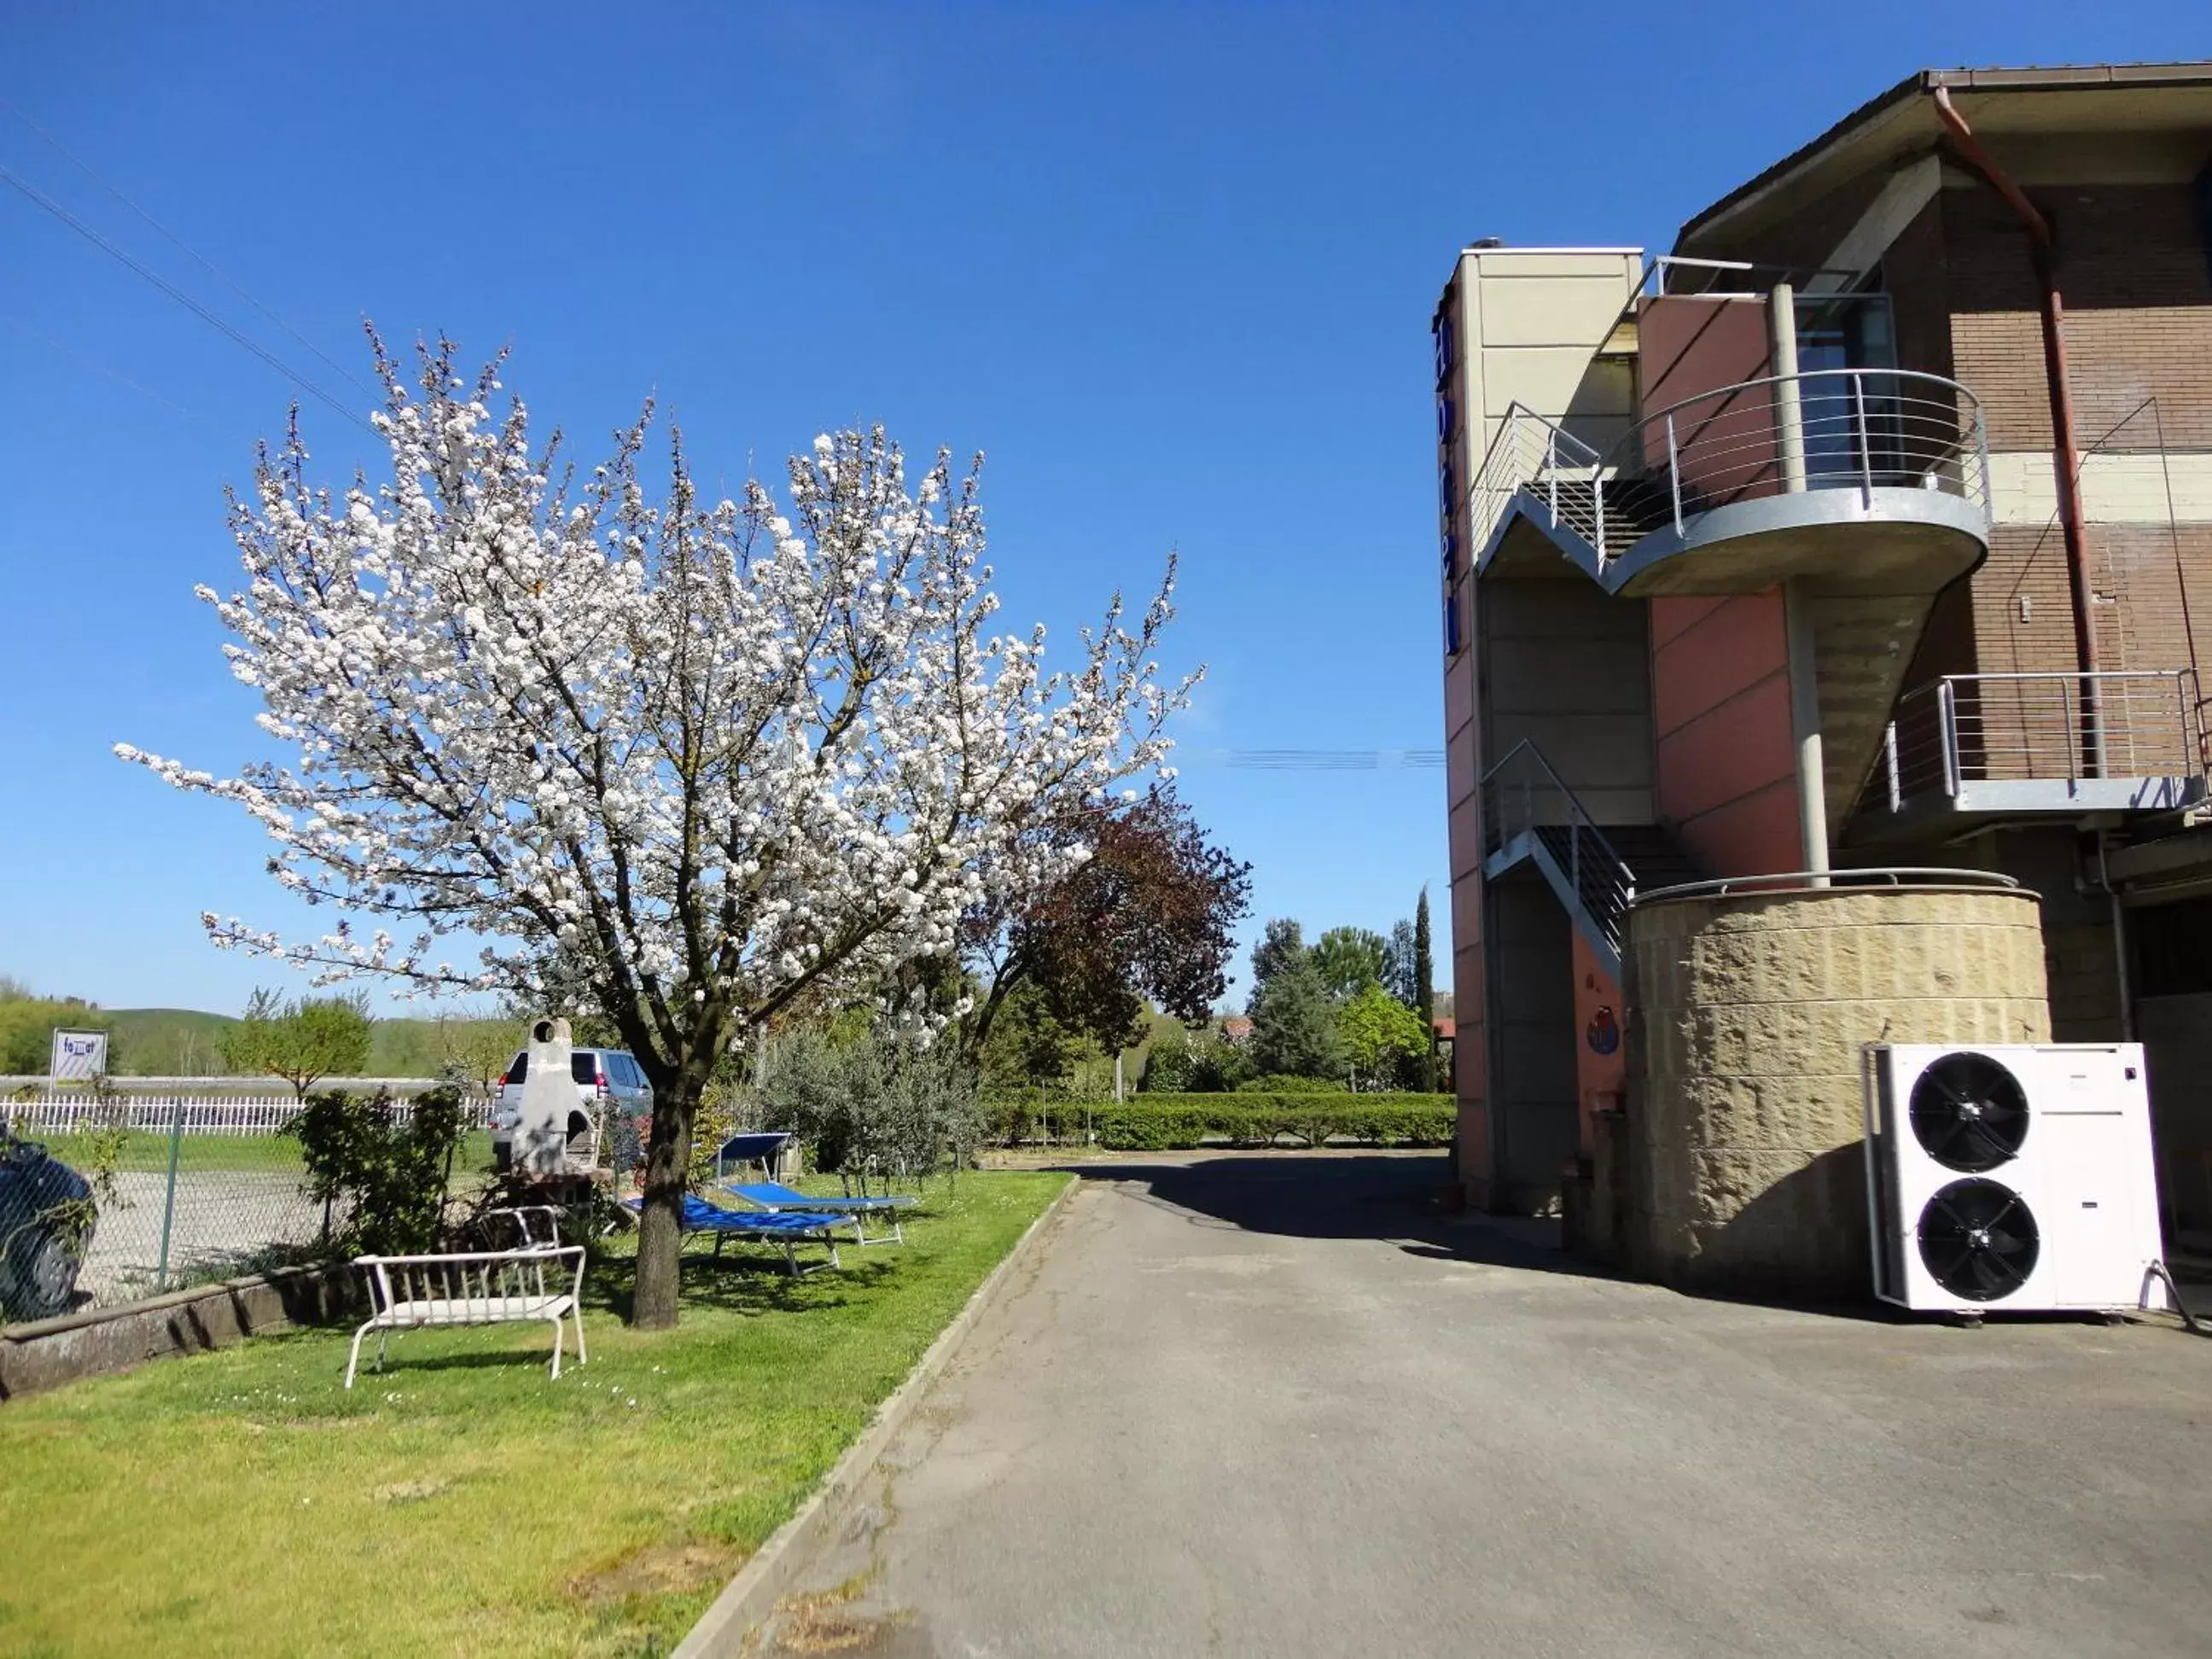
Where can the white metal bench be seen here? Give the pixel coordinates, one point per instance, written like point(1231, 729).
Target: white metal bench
point(475, 1287)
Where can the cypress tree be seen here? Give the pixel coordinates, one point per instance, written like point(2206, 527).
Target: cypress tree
point(1425, 989)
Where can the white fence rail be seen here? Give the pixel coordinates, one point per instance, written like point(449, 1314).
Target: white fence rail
point(201, 1115)
point(257, 1086)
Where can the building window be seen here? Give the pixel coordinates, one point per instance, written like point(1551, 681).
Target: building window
point(1851, 433)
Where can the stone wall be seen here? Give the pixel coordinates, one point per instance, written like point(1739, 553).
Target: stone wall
point(1742, 1155)
point(45, 1354)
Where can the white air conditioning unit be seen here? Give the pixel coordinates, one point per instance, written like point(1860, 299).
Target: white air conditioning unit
point(2013, 1176)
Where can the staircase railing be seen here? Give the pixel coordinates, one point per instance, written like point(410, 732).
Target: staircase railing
point(1836, 429)
point(1523, 795)
point(1531, 453)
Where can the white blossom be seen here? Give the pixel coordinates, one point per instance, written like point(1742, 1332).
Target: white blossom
point(714, 754)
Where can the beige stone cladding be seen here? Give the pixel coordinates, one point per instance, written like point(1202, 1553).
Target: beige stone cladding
point(1744, 1164)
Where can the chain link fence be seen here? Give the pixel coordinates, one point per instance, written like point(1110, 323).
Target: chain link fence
point(108, 1198)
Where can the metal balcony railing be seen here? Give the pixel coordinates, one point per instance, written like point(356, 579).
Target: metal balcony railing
point(1966, 729)
point(1523, 795)
point(1843, 429)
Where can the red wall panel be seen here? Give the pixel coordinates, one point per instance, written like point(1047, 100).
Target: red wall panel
point(1721, 709)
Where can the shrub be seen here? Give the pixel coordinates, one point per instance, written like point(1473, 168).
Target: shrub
point(1168, 1123)
point(1011, 1120)
point(1148, 1128)
point(381, 1181)
point(868, 1103)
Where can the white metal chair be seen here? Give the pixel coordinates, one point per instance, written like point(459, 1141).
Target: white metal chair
point(475, 1287)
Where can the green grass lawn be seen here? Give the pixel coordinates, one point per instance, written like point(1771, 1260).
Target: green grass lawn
point(243, 1503)
point(149, 1150)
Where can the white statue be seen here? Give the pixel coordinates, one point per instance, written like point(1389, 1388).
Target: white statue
point(549, 1096)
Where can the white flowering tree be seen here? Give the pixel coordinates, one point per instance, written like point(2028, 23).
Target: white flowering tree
point(704, 758)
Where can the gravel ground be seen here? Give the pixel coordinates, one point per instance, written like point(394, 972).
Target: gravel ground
point(222, 1219)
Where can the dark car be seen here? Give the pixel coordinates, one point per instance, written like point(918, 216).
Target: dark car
point(45, 1228)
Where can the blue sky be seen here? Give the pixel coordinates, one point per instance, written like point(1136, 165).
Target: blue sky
point(1171, 267)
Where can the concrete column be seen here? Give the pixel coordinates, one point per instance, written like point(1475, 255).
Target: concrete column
point(1796, 598)
point(1789, 406)
point(1805, 727)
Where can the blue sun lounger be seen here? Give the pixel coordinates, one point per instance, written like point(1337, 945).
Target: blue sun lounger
point(754, 1227)
point(775, 1198)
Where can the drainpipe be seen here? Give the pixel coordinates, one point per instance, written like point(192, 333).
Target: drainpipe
point(2067, 455)
point(1796, 598)
point(2119, 937)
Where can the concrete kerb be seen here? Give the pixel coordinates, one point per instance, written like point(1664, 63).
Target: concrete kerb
point(748, 1599)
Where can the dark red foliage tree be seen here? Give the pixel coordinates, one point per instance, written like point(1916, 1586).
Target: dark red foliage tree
point(1150, 915)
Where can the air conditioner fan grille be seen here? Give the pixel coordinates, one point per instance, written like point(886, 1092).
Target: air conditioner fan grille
point(1969, 1113)
point(1978, 1240)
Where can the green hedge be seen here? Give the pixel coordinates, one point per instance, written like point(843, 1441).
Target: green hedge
point(1162, 1122)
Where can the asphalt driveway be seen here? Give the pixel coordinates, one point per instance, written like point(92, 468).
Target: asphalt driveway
point(1271, 1405)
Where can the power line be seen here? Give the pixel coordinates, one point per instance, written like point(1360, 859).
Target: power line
point(99, 368)
point(220, 274)
point(38, 197)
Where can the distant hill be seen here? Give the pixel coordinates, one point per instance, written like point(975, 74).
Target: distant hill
point(188, 1042)
point(415, 1047)
point(164, 1042)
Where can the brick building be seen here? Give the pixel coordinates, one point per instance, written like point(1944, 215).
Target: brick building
point(1761, 557)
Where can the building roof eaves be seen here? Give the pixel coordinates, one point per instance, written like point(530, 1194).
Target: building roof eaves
point(1869, 118)
point(1476, 247)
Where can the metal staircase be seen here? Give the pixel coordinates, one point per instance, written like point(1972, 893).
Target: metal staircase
point(1693, 499)
point(1530, 816)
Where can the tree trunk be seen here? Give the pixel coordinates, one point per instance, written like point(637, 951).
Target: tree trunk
point(659, 1223)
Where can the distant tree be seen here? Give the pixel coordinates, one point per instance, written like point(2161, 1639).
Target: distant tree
point(303, 1041)
point(1294, 1027)
point(1150, 914)
point(1282, 945)
point(1169, 1062)
point(1425, 993)
point(1029, 1047)
point(26, 1031)
point(13, 989)
point(1348, 960)
point(479, 1048)
point(1425, 973)
point(1385, 1041)
point(1218, 1065)
point(1399, 974)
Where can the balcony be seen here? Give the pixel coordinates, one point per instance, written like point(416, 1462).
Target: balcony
point(1869, 481)
point(1975, 748)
